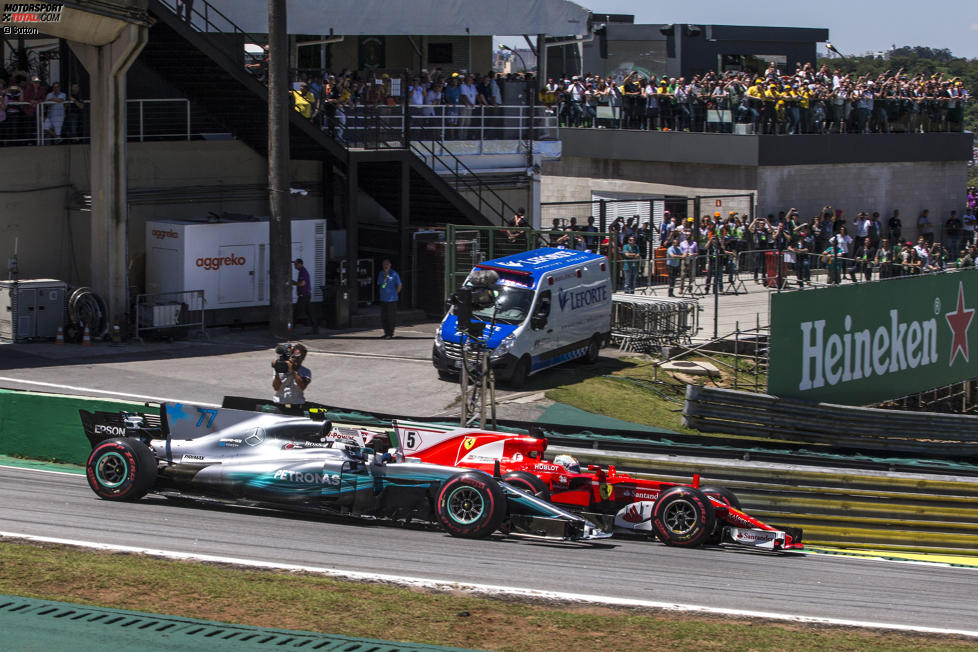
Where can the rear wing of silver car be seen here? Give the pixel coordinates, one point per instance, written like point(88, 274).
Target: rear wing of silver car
point(99, 426)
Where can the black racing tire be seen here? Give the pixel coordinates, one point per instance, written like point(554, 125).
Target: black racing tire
point(520, 373)
point(795, 532)
point(684, 517)
point(593, 350)
point(121, 469)
point(470, 505)
point(529, 482)
point(724, 495)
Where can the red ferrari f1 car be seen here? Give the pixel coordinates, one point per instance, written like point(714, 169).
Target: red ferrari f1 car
point(677, 514)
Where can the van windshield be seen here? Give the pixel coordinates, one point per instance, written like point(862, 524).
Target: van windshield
point(512, 305)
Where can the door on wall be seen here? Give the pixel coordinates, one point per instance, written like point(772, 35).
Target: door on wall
point(236, 276)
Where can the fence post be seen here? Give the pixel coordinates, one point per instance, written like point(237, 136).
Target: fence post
point(406, 123)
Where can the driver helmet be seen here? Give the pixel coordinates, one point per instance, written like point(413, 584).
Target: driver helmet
point(569, 463)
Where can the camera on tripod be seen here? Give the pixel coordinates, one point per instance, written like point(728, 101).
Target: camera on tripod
point(477, 294)
point(285, 353)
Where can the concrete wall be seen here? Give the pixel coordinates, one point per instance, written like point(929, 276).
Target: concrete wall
point(909, 187)
point(166, 180)
point(875, 172)
point(574, 178)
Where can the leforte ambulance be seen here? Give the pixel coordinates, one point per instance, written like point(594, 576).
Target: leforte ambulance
point(552, 306)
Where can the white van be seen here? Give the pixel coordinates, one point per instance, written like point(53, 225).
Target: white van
point(552, 306)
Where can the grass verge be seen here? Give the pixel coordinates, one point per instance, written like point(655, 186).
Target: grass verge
point(315, 603)
point(636, 391)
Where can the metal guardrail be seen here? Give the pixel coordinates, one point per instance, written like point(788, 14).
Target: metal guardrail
point(465, 180)
point(146, 119)
point(166, 311)
point(379, 126)
point(855, 509)
point(840, 426)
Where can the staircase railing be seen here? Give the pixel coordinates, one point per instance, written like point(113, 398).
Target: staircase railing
point(371, 127)
point(463, 176)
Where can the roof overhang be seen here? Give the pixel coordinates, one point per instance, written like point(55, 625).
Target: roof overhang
point(414, 17)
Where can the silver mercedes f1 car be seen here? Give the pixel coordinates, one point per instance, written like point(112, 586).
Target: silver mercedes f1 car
point(302, 464)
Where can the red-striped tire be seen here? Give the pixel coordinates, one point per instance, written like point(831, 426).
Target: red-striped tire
point(121, 469)
point(470, 505)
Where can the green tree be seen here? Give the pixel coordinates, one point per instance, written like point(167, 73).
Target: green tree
point(922, 60)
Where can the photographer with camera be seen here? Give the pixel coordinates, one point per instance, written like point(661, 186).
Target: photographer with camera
point(291, 378)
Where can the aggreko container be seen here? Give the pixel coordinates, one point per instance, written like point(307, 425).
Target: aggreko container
point(228, 260)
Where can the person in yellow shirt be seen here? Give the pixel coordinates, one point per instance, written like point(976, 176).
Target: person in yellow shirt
point(755, 100)
point(303, 101)
point(805, 96)
point(769, 110)
point(792, 115)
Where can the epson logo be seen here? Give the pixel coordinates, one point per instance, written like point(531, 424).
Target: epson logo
point(118, 431)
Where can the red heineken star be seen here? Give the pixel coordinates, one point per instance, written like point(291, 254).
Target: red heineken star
point(959, 321)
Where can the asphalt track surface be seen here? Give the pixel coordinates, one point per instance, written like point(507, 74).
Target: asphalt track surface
point(359, 370)
point(62, 506)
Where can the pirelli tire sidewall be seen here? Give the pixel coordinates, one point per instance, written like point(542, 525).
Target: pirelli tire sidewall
point(528, 482)
point(121, 469)
point(470, 505)
point(683, 516)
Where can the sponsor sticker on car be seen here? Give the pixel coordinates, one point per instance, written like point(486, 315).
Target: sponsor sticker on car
point(754, 537)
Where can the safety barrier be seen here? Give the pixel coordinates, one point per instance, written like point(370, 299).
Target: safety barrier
point(713, 409)
point(46, 426)
point(643, 323)
point(848, 508)
point(146, 119)
point(167, 311)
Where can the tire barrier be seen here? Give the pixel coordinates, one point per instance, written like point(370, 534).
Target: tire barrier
point(931, 434)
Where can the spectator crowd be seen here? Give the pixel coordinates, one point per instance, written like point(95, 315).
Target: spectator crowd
point(25, 98)
point(782, 249)
point(803, 102)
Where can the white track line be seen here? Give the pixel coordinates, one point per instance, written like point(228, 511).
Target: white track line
point(31, 468)
point(487, 589)
point(159, 399)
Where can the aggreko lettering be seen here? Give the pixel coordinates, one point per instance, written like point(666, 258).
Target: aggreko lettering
point(218, 261)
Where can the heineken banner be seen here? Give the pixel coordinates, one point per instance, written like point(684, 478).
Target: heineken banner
point(866, 343)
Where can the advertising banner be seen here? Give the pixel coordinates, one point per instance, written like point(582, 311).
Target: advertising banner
point(866, 343)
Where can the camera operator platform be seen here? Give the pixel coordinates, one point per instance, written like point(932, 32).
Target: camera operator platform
point(476, 377)
point(291, 378)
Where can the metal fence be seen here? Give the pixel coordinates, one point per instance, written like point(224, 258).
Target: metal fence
point(170, 314)
point(643, 214)
point(381, 126)
point(645, 324)
point(146, 119)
